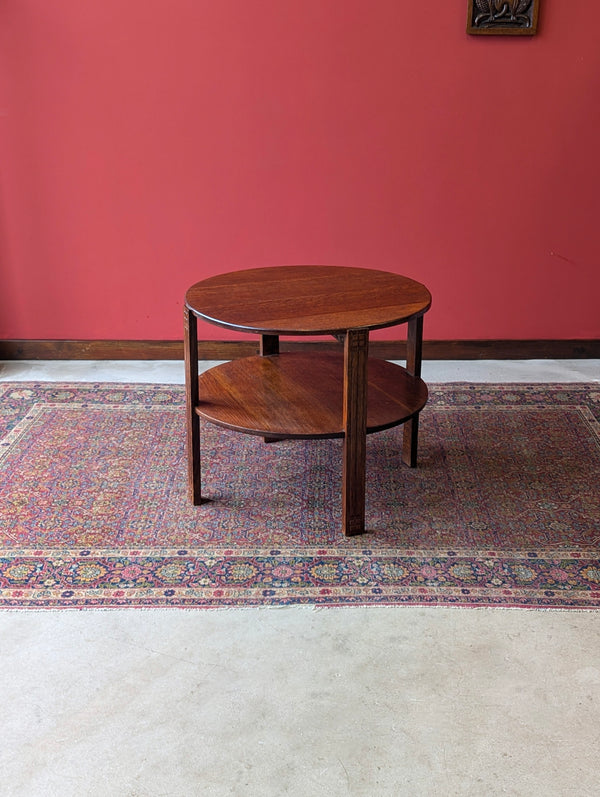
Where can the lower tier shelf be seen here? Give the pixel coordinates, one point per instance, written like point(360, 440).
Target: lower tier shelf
point(301, 395)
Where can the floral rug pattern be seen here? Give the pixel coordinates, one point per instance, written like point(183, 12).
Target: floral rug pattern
point(503, 509)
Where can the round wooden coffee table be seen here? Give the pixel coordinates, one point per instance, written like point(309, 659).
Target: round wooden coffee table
point(281, 395)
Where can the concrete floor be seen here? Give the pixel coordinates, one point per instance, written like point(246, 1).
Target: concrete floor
point(358, 702)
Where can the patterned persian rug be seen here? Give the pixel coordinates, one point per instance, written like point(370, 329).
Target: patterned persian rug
point(503, 510)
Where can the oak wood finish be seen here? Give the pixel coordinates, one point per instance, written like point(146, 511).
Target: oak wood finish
point(285, 395)
point(307, 300)
point(298, 395)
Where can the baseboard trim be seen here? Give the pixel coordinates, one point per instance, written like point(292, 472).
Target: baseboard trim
point(230, 350)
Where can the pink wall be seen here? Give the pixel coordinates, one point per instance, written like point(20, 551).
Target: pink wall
point(149, 143)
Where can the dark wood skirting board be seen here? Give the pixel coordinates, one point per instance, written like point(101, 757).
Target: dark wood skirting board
point(230, 350)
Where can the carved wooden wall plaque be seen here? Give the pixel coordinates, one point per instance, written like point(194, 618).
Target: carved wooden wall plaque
point(505, 17)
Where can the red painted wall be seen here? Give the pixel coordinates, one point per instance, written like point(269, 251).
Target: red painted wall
point(146, 144)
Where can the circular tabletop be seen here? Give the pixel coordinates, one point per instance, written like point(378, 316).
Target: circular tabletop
point(307, 300)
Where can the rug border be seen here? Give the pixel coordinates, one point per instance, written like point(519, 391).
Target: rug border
point(183, 598)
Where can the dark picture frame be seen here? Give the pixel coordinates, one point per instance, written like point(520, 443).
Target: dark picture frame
point(503, 17)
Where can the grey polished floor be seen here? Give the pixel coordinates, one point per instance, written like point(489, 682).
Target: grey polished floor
point(357, 702)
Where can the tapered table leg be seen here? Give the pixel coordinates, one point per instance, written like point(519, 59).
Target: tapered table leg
point(356, 350)
point(190, 347)
point(414, 357)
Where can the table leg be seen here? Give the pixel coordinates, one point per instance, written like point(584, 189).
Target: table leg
point(190, 347)
point(269, 344)
point(356, 350)
point(414, 356)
